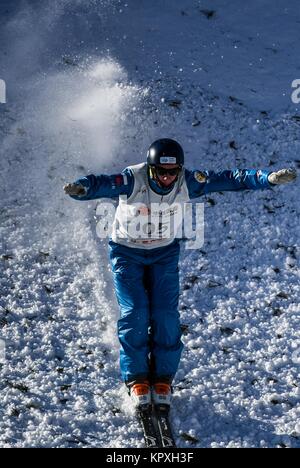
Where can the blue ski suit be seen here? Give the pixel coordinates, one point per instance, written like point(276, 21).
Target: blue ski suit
point(147, 281)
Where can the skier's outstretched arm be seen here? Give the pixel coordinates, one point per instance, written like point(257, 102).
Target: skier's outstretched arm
point(92, 187)
point(203, 182)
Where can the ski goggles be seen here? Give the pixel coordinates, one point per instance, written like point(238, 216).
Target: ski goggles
point(161, 171)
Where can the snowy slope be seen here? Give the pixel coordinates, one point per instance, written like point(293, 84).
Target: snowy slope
point(90, 85)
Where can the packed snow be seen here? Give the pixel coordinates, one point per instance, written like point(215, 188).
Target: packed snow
point(90, 84)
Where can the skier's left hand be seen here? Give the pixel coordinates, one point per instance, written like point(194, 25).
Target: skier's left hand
point(283, 176)
point(75, 190)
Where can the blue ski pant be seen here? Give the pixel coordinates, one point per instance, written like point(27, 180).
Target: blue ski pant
point(147, 289)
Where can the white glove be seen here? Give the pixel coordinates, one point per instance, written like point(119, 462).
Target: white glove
point(75, 189)
point(283, 176)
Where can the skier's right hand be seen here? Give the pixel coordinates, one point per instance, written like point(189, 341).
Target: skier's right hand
point(75, 190)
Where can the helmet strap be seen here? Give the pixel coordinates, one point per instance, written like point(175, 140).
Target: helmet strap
point(154, 176)
point(152, 172)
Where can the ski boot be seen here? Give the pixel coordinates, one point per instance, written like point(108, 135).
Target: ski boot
point(161, 395)
point(140, 393)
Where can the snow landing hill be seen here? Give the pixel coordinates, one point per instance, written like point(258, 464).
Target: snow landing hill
point(90, 84)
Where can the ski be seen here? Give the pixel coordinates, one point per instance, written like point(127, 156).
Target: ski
point(164, 426)
point(146, 418)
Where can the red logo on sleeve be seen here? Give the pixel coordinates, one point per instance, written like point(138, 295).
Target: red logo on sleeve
point(119, 180)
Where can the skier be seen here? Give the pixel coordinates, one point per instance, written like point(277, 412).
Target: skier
point(145, 269)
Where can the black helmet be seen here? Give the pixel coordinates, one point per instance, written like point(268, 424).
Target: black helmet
point(165, 151)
